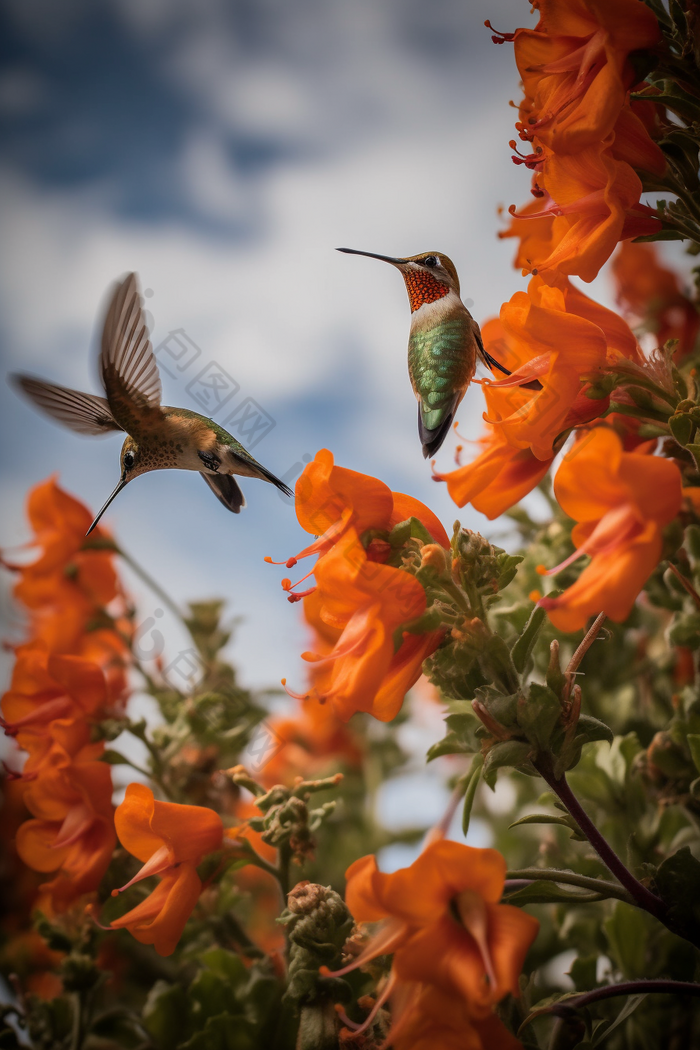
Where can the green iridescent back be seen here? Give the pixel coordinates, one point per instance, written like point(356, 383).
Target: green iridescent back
point(441, 363)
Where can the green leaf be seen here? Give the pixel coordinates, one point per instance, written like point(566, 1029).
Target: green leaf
point(591, 729)
point(520, 653)
point(544, 818)
point(451, 744)
point(626, 932)
point(584, 972)
point(474, 776)
point(496, 663)
point(542, 892)
point(212, 994)
point(223, 1032)
point(630, 1006)
point(677, 881)
point(539, 714)
point(505, 753)
point(166, 1015)
point(113, 758)
point(226, 965)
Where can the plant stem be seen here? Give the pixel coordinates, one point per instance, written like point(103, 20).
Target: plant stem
point(662, 987)
point(641, 896)
point(284, 858)
point(685, 583)
point(78, 1031)
point(571, 878)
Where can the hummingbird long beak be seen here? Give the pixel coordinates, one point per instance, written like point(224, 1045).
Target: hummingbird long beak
point(373, 255)
point(120, 486)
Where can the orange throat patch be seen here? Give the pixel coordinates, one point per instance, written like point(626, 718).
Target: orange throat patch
point(423, 288)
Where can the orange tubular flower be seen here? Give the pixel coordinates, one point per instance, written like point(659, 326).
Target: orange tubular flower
point(621, 506)
point(364, 601)
point(575, 68)
point(498, 478)
point(443, 922)
point(73, 832)
point(68, 586)
point(46, 687)
point(557, 335)
point(651, 295)
point(171, 840)
point(370, 601)
point(427, 1017)
point(593, 201)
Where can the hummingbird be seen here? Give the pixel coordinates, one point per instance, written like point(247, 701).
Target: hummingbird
point(157, 437)
point(443, 345)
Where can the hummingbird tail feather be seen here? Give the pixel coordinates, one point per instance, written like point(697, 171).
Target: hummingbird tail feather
point(267, 475)
point(257, 470)
point(432, 440)
point(226, 489)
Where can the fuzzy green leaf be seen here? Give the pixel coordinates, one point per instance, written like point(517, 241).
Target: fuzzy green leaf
point(677, 881)
point(474, 776)
point(541, 892)
point(520, 652)
point(538, 715)
point(505, 753)
point(451, 744)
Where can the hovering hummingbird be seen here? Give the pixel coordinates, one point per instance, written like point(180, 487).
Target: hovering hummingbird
point(157, 437)
point(443, 344)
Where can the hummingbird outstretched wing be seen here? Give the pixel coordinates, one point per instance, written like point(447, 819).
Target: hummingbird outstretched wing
point(84, 413)
point(127, 363)
point(226, 490)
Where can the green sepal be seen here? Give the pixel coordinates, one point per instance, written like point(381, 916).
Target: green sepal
point(507, 568)
point(682, 427)
point(601, 388)
point(669, 234)
point(410, 529)
point(520, 653)
point(431, 620)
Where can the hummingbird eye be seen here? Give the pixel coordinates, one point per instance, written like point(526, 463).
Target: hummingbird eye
point(129, 459)
point(430, 260)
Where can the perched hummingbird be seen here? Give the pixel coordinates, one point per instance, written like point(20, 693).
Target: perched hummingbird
point(157, 437)
point(443, 344)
